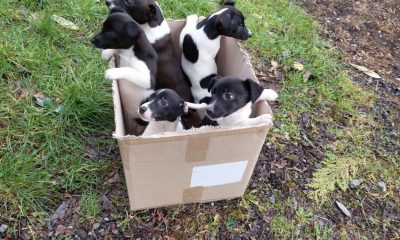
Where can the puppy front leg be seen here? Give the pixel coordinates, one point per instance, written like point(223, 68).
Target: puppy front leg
point(141, 79)
point(265, 118)
point(107, 54)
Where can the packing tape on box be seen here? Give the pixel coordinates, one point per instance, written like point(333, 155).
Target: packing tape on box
point(191, 195)
point(197, 148)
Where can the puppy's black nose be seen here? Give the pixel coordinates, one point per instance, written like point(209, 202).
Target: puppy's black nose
point(209, 111)
point(95, 41)
point(142, 109)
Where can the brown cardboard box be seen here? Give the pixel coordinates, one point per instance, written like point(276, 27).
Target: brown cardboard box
point(198, 165)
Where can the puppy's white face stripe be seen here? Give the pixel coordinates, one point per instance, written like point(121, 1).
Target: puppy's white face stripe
point(219, 12)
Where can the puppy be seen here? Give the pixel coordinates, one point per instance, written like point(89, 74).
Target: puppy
point(148, 14)
point(138, 62)
point(200, 43)
point(163, 110)
point(232, 100)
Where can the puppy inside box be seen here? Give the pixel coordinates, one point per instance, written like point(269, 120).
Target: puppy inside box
point(232, 60)
point(198, 165)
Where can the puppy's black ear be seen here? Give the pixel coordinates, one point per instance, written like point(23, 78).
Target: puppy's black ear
point(228, 2)
point(153, 16)
point(255, 89)
point(222, 21)
point(116, 10)
point(211, 82)
point(132, 29)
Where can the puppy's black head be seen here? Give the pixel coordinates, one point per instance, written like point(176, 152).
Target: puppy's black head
point(228, 94)
point(231, 22)
point(142, 11)
point(119, 31)
point(163, 105)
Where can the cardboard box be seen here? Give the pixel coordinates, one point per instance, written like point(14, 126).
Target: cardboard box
point(198, 165)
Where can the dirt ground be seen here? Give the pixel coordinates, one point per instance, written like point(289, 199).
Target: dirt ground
point(368, 33)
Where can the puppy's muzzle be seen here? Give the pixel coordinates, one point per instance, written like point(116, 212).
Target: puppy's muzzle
point(142, 110)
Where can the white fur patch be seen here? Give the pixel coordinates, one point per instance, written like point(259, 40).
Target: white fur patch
point(155, 127)
point(154, 34)
point(242, 118)
point(205, 65)
point(131, 69)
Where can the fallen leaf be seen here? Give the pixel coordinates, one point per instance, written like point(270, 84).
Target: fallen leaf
point(114, 178)
point(298, 66)
point(39, 95)
point(343, 209)
point(64, 22)
point(59, 101)
point(366, 71)
point(306, 76)
point(257, 16)
point(107, 204)
point(274, 64)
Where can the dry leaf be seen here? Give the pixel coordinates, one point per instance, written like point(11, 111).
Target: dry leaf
point(366, 71)
point(64, 22)
point(306, 76)
point(298, 66)
point(39, 95)
point(59, 101)
point(274, 64)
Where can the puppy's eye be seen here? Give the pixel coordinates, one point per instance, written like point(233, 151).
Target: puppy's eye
point(228, 96)
point(163, 102)
point(110, 35)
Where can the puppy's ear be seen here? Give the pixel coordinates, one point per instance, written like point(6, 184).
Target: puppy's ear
point(212, 82)
point(255, 90)
point(222, 21)
point(153, 17)
point(132, 29)
point(228, 2)
point(116, 10)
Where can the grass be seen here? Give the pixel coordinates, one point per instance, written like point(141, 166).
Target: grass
point(48, 152)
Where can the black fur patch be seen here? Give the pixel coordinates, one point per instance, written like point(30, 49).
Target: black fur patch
point(190, 50)
point(205, 82)
point(205, 100)
point(207, 122)
point(141, 122)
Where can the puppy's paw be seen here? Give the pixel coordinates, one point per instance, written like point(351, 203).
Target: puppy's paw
point(265, 118)
point(107, 54)
point(269, 95)
point(112, 74)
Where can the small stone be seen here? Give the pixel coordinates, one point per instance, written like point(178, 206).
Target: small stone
point(115, 231)
point(106, 219)
point(355, 183)
point(82, 233)
point(272, 199)
point(3, 228)
point(343, 208)
point(95, 226)
point(382, 185)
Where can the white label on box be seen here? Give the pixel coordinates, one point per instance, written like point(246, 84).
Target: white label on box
point(218, 174)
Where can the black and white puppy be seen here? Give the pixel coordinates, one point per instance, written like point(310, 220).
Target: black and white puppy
point(232, 100)
point(149, 15)
point(138, 60)
point(163, 110)
point(200, 43)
